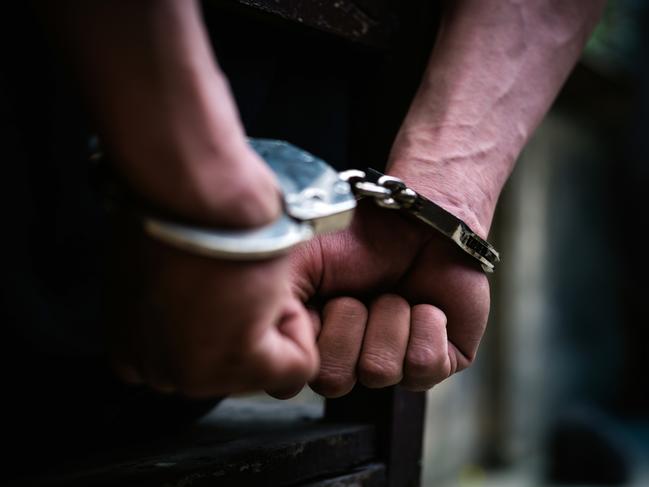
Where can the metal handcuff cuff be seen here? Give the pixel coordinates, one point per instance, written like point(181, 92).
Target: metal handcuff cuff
point(317, 199)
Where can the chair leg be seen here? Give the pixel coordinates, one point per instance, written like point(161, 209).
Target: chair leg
point(398, 416)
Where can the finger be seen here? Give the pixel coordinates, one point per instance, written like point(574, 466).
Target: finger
point(466, 305)
point(340, 344)
point(292, 357)
point(465, 332)
point(427, 359)
point(385, 342)
point(293, 390)
point(281, 360)
point(305, 263)
point(460, 289)
point(315, 321)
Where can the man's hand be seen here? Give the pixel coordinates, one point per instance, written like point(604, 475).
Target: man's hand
point(166, 117)
point(403, 305)
point(204, 327)
point(399, 304)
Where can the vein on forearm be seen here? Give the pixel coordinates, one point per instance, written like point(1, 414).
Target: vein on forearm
point(495, 70)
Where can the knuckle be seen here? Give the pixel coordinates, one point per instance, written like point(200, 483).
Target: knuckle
point(392, 301)
point(346, 308)
point(479, 311)
point(280, 373)
point(334, 381)
point(377, 371)
point(465, 360)
point(426, 367)
point(293, 372)
point(426, 313)
point(422, 361)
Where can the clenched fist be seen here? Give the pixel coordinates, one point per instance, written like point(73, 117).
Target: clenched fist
point(399, 303)
point(204, 327)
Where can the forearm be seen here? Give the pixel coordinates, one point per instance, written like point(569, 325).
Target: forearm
point(495, 70)
point(161, 104)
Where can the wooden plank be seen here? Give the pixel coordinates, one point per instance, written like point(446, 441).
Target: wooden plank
point(372, 475)
point(264, 452)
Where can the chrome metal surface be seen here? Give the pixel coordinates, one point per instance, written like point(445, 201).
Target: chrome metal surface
point(260, 243)
point(313, 190)
point(316, 200)
point(392, 193)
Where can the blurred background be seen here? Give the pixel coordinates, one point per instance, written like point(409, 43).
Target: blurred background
point(560, 393)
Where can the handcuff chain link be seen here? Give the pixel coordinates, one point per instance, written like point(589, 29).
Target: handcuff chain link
point(388, 192)
point(392, 193)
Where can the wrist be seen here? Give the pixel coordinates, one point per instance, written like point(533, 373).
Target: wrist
point(229, 187)
point(452, 186)
point(165, 113)
point(195, 161)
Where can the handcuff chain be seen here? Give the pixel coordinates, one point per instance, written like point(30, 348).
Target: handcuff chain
point(387, 192)
point(392, 193)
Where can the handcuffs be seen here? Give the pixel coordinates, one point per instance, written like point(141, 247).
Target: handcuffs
point(317, 199)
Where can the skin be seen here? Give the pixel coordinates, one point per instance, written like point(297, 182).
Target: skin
point(400, 304)
point(182, 323)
